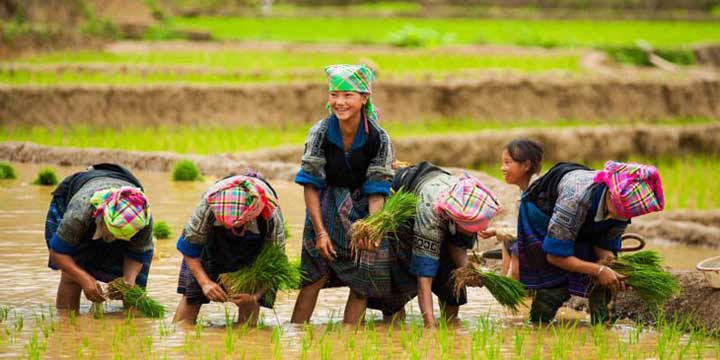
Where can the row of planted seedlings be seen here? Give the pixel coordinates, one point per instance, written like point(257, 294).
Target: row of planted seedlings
point(485, 337)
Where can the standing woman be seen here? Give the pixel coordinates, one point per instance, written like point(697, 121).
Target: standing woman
point(98, 228)
point(346, 172)
point(521, 160)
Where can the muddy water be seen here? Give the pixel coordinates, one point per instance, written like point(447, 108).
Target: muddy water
point(28, 287)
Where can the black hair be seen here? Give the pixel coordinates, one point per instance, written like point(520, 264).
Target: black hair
point(522, 150)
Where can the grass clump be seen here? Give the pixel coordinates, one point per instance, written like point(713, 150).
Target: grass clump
point(7, 171)
point(136, 297)
point(46, 177)
point(271, 270)
point(161, 230)
point(185, 170)
point(399, 209)
point(636, 56)
point(412, 36)
point(507, 291)
point(644, 274)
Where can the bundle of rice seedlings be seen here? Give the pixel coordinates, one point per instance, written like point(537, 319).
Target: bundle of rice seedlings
point(507, 291)
point(399, 209)
point(136, 297)
point(646, 276)
point(270, 270)
point(647, 257)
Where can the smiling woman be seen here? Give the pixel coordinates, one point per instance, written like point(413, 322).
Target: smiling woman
point(346, 173)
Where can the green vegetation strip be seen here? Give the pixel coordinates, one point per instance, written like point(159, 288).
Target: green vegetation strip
point(214, 139)
point(547, 33)
point(258, 66)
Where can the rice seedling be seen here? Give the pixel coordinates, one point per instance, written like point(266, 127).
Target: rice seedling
point(326, 347)
point(19, 322)
point(394, 217)
point(306, 341)
point(7, 171)
point(443, 337)
point(46, 177)
point(35, 347)
point(561, 347)
point(161, 230)
point(650, 258)
point(164, 329)
point(198, 327)
point(185, 170)
point(644, 274)
point(507, 291)
point(98, 311)
point(147, 345)
point(4, 312)
point(137, 298)
point(518, 341)
point(270, 270)
point(229, 338)
point(72, 317)
point(261, 325)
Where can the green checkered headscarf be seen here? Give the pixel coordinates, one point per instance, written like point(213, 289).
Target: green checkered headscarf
point(124, 210)
point(357, 78)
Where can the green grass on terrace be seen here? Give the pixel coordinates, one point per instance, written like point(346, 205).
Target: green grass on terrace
point(464, 31)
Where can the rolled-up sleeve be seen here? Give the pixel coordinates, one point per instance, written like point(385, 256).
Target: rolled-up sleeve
point(379, 174)
point(312, 166)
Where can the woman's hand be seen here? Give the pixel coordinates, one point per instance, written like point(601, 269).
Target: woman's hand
point(488, 233)
point(214, 292)
point(92, 289)
point(324, 246)
point(244, 299)
point(610, 279)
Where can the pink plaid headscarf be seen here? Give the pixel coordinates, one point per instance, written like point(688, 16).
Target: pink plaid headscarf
point(124, 210)
point(240, 201)
point(469, 204)
point(634, 189)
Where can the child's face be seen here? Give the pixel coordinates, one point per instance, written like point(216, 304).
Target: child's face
point(514, 173)
point(346, 104)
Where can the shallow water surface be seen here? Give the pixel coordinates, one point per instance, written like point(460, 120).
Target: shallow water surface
point(27, 291)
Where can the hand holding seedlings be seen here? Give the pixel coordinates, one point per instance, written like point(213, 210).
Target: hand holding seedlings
point(610, 279)
point(214, 292)
point(244, 299)
point(92, 289)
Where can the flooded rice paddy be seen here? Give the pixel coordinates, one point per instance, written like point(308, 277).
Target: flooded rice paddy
point(31, 328)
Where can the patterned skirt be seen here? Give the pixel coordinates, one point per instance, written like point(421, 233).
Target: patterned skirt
point(368, 274)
